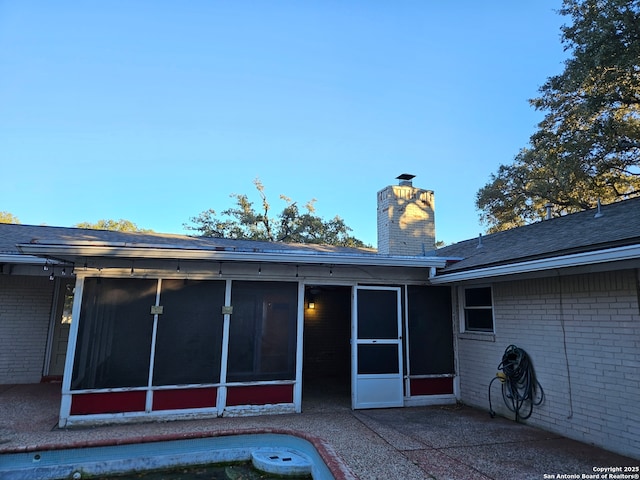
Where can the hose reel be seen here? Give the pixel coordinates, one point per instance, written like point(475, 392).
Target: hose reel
point(520, 387)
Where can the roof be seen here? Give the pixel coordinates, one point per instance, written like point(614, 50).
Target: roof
point(65, 243)
point(12, 235)
point(614, 226)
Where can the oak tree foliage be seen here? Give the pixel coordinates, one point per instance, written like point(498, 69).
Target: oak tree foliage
point(6, 217)
point(121, 225)
point(291, 225)
point(587, 147)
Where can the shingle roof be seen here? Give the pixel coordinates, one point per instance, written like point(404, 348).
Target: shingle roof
point(619, 225)
point(13, 234)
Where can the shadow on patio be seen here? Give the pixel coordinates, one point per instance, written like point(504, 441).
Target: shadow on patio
point(455, 442)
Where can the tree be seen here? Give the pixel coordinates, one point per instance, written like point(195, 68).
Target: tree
point(587, 147)
point(290, 226)
point(117, 225)
point(6, 217)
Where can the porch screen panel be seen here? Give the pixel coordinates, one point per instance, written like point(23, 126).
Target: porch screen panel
point(430, 330)
point(377, 359)
point(262, 333)
point(113, 347)
point(377, 314)
point(189, 336)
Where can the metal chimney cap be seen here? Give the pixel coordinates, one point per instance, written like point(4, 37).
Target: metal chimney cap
point(405, 179)
point(405, 176)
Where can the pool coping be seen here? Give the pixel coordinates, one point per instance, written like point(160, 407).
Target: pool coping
point(329, 456)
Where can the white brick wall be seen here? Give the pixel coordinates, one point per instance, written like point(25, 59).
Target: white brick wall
point(593, 390)
point(25, 306)
point(405, 220)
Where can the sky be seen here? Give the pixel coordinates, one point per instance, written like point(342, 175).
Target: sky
point(154, 111)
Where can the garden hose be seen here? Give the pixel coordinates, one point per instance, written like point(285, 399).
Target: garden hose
point(520, 387)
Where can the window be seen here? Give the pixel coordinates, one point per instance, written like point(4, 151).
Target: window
point(478, 309)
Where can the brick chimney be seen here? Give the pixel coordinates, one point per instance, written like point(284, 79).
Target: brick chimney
point(406, 223)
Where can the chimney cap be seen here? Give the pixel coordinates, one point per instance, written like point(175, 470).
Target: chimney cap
point(405, 180)
point(405, 176)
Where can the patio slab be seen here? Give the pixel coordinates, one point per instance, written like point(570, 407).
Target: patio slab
point(452, 442)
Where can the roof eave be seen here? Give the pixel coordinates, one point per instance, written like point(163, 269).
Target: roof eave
point(68, 251)
point(628, 252)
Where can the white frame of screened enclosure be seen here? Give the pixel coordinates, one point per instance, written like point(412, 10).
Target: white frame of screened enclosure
point(270, 383)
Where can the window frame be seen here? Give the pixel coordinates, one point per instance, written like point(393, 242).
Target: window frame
point(463, 309)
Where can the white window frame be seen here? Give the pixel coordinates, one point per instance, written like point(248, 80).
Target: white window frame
point(462, 308)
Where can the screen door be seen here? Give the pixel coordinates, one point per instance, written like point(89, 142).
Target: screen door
point(377, 348)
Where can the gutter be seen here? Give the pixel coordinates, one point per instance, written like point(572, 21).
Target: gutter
point(174, 253)
point(16, 259)
point(629, 252)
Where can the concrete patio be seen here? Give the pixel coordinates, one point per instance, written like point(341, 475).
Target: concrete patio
point(453, 442)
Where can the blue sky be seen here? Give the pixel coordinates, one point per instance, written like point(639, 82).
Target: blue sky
point(154, 111)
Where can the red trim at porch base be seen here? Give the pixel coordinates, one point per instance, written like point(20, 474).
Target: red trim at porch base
point(431, 386)
point(111, 402)
point(185, 398)
point(259, 395)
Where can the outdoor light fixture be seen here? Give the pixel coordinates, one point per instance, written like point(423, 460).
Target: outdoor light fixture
point(52, 275)
point(220, 270)
point(46, 265)
point(311, 302)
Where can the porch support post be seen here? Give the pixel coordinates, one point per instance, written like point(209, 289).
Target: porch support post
point(152, 359)
point(297, 387)
point(65, 404)
point(221, 400)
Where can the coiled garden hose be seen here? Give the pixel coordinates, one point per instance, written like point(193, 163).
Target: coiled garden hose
point(520, 387)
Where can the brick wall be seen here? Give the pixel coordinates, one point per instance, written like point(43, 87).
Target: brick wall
point(25, 307)
point(582, 333)
point(327, 333)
